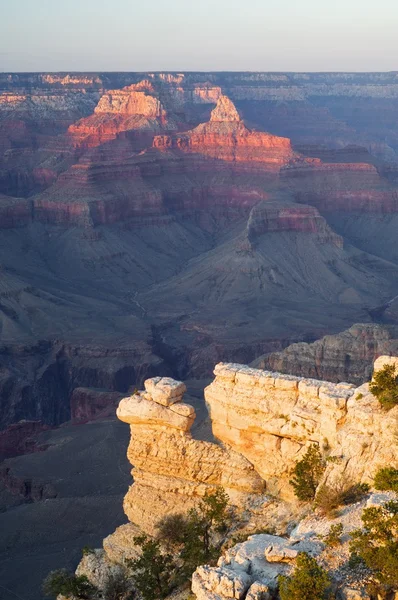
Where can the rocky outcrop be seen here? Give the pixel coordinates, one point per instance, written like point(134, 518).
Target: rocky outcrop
point(133, 108)
point(29, 490)
point(251, 568)
point(265, 421)
point(271, 418)
point(272, 216)
point(225, 137)
point(346, 356)
point(171, 469)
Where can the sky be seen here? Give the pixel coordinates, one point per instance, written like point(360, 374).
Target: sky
point(190, 35)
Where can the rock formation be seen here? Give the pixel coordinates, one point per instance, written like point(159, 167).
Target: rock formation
point(259, 446)
point(250, 569)
point(270, 418)
point(171, 469)
point(225, 137)
point(265, 422)
point(133, 108)
point(346, 356)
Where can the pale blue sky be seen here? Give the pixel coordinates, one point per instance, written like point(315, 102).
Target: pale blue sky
point(141, 35)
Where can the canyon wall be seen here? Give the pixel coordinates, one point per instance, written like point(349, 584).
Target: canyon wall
point(262, 422)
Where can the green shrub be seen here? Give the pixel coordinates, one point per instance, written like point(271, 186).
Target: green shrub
point(68, 584)
point(202, 524)
point(354, 493)
point(329, 498)
point(118, 587)
point(307, 474)
point(333, 538)
point(377, 543)
point(309, 581)
point(386, 479)
point(87, 550)
point(153, 571)
point(172, 529)
point(385, 386)
point(191, 537)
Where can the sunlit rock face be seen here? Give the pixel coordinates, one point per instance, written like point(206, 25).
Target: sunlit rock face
point(226, 137)
point(171, 469)
point(271, 418)
point(134, 108)
point(265, 421)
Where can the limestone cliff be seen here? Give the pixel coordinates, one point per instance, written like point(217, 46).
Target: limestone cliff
point(171, 469)
point(271, 418)
point(265, 421)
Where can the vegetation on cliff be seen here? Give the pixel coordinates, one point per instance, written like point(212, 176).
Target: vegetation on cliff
point(190, 540)
point(308, 582)
point(308, 473)
point(385, 386)
point(376, 544)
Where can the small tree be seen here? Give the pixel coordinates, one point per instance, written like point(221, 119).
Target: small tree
point(308, 582)
point(385, 386)
point(68, 584)
point(153, 571)
point(333, 538)
point(386, 479)
point(377, 543)
point(307, 474)
point(118, 587)
point(202, 523)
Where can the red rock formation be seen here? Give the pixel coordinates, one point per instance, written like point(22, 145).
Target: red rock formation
point(133, 108)
point(225, 137)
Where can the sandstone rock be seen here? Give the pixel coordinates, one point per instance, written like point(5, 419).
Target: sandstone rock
point(219, 582)
point(346, 356)
point(349, 593)
point(382, 361)
point(258, 591)
point(165, 390)
point(172, 471)
point(136, 410)
point(97, 567)
point(224, 111)
point(280, 553)
point(225, 137)
point(119, 545)
point(273, 425)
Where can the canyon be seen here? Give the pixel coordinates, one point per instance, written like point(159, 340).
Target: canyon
point(153, 225)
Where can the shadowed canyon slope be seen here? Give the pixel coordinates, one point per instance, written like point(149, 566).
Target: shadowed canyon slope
point(159, 223)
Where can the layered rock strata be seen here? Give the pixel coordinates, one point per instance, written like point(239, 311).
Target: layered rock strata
point(271, 419)
point(265, 421)
point(171, 469)
point(136, 107)
point(225, 137)
point(346, 356)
